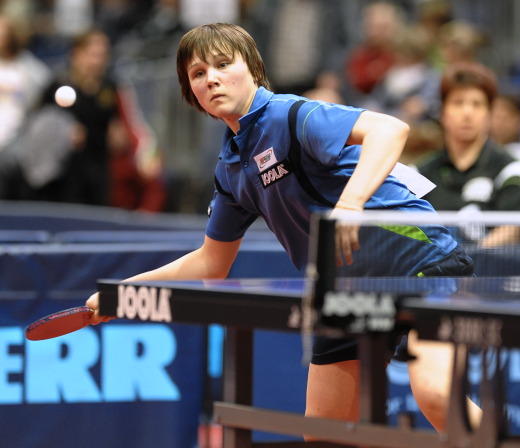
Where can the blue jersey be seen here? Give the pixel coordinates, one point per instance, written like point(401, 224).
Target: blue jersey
point(254, 178)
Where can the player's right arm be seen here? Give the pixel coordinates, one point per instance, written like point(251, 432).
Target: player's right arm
point(212, 260)
point(382, 139)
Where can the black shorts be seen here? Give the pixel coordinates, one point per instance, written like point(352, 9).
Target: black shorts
point(330, 350)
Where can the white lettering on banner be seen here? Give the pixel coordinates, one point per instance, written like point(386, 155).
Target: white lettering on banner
point(143, 303)
point(133, 362)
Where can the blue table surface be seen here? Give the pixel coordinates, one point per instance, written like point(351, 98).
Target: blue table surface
point(495, 291)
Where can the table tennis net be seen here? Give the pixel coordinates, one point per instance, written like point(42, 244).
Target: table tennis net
point(396, 247)
point(399, 253)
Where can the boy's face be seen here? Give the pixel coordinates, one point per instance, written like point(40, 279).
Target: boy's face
point(223, 86)
point(466, 114)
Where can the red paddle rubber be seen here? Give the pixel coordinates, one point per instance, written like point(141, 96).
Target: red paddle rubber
point(58, 324)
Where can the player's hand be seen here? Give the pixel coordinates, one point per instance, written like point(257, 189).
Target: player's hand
point(347, 236)
point(347, 241)
point(93, 303)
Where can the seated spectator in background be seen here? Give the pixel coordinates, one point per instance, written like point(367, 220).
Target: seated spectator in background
point(432, 15)
point(327, 89)
point(47, 138)
point(410, 88)
point(472, 172)
point(23, 77)
point(370, 59)
point(459, 41)
point(505, 123)
point(410, 91)
point(300, 39)
point(154, 35)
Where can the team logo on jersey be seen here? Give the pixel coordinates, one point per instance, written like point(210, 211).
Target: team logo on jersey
point(275, 173)
point(265, 159)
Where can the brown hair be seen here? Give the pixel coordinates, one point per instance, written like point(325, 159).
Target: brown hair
point(222, 38)
point(469, 74)
point(85, 38)
point(13, 44)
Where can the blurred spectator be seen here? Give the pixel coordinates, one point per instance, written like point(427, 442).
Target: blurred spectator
point(459, 41)
point(472, 172)
point(155, 35)
point(118, 18)
point(137, 174)
point(73, 17)
point(198, 12)
point(109, 142)
point(370, 59)
point(431, 16)
point(22, 13)
point(22, 80)
point(42, 148)
point(425, 136)
point(410, 88)
point(410, 91)
point(300, 39)
point(505, 122)
point(327, 88)
point(94, 108)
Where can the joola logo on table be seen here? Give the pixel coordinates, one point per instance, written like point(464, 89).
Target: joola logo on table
point(358, 304)
point(149, 304)
point(365, 311)
point(274, 174)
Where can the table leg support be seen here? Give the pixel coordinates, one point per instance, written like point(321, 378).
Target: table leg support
point(373, 352)
point(238, 381)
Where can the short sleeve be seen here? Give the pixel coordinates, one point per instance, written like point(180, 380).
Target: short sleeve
point(325, 129)
point(228, 221)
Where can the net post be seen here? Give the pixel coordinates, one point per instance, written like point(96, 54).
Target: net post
point(319, 277)
point(321, 269)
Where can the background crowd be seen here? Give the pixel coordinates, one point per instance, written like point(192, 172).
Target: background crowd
point(128, 140)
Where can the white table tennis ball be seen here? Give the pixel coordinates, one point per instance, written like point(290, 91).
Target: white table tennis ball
point(65, 96)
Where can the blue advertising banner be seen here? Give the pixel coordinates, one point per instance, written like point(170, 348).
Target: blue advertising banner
point(137, 385)
point(117, 385)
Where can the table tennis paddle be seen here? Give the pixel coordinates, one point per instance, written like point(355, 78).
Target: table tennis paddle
point(58, 324)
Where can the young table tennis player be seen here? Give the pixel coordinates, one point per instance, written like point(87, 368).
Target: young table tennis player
point(346, 154)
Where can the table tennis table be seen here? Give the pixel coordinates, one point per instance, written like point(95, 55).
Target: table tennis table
point(472, 312)
point(469, 312)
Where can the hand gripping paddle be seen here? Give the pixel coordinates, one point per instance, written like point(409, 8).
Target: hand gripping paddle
point(58, 324)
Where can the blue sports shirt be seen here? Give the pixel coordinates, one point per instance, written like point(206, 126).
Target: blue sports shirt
point(254, 178)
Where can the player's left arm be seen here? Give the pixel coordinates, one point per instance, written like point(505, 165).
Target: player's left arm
point(382, 139)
